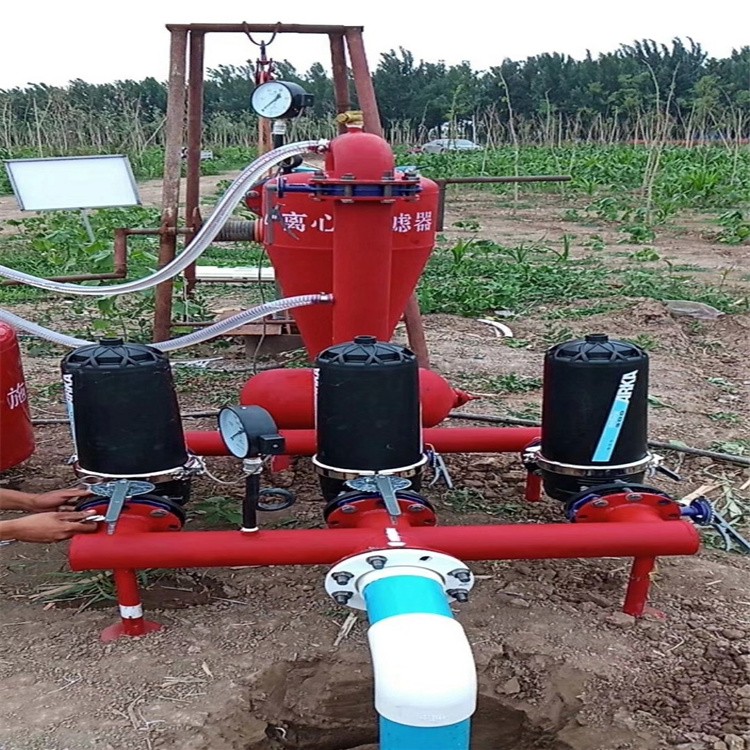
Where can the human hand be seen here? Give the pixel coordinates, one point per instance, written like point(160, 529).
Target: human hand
point(50, 527)
point(64, 500)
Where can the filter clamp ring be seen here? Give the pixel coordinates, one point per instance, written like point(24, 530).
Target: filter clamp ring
point(192, 467)
point(336, 472)
point(557, 467)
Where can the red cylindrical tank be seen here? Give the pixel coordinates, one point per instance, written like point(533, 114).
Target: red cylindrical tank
point(300, 235)
point(16, 432)
point(289, 397)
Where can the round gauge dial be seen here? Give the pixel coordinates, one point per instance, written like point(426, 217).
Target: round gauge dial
point(233, 432)
point(279, 99)
point(271, 99)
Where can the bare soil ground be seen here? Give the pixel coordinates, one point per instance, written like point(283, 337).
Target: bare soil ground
point(248, 661)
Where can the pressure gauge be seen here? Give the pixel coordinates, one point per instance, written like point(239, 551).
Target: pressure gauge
point(279, 99)
point(232, 431)
point(249, 431)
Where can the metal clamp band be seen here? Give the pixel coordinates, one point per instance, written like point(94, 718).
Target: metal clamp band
point(556, 467)
point(193, 466)
point(335, 472)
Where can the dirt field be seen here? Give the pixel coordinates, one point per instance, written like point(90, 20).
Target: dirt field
point(248, 660)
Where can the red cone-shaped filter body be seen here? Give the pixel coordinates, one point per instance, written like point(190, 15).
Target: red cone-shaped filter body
point(348, 238)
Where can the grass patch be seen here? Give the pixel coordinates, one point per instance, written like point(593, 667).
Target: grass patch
point(512, 383)
point(476, 277)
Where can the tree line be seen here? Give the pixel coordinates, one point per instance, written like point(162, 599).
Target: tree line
point(634, 93)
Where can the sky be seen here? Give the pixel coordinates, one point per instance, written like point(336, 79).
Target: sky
point(53, 42)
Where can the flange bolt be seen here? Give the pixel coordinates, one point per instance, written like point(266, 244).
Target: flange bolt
point(459, 595)
point(377, 561)
point(342, 578)
point(461, 574)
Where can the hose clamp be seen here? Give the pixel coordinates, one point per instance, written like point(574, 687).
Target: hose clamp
point(192, 467)
point(597, 472)
point(336, 472)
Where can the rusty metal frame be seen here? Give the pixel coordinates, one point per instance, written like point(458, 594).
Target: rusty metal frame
point(184, 121)
point(185, 90)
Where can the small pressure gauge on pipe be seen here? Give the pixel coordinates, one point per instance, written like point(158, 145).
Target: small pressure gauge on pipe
point(276, 100)
point(249, 431)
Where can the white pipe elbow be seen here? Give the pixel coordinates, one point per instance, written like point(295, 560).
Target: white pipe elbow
point(425, 675)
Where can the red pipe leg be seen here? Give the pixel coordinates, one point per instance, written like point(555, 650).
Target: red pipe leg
point(132, 622)
point(639, 584)
point(443, 439)
point(533, 492)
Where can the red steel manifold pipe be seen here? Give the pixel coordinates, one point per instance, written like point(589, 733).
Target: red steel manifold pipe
point(210, 549)
point(442, 439)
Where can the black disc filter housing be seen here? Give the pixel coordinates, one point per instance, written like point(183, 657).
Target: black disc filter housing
point(123, 409)
point(594, 414)
point(368, 407)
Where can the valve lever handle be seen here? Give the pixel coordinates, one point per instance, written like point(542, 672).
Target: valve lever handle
point(440, 470)
point(387, 492)
point(116, 503)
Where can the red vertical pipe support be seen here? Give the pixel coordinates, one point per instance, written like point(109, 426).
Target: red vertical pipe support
point(194, 141)
point(363, 240)
point(639, 584)
point(415, 332)
point(132, 621)
point(340, 76)
point(533, 489)
point(170, 195)
point(120, 249)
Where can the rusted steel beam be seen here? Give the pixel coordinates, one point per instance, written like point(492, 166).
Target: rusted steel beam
point(260, 28)
point(340, 76)
point(197, 45)
point(172, 170)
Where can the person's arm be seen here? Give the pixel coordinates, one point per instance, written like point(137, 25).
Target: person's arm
point(40, 503)
point(6, 531)
point(46, 527)
point(14, 500)
point(54, 519)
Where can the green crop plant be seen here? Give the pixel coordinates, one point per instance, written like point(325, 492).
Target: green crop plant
point(645, 341)
point(722, 384)
point(735, 229)
point(474, 277)
point(726, 417)
point(646, 255)
point(638, 234)
point(218, 512)
point(514, 383)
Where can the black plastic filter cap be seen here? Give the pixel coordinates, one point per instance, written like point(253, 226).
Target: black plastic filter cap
point(365, 340)
point(597, 338)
